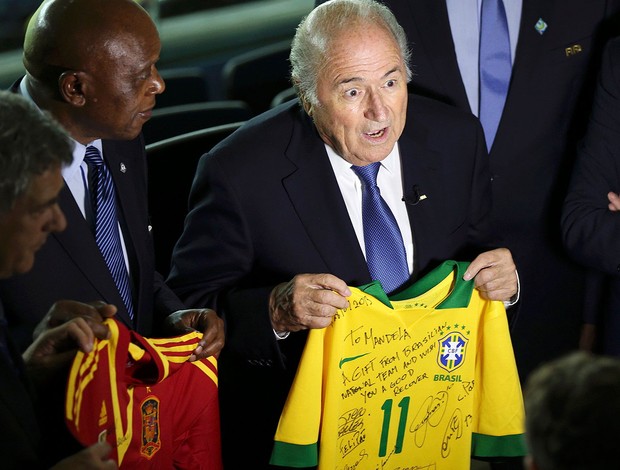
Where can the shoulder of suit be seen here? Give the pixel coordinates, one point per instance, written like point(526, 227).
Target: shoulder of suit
point(424, 109)
point(271, 128)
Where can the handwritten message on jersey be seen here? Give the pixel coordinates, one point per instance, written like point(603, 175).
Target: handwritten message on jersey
point(405, 390)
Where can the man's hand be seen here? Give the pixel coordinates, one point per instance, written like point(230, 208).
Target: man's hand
point(64, 311)
point(307, 301)
point(55, 348)
point(204, 320)
point(94, 457)
point(614, 201)
point(495, 274)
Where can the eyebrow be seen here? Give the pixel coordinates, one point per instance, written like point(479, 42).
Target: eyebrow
point(46, 204)
point(145, 66)
point(360, 79)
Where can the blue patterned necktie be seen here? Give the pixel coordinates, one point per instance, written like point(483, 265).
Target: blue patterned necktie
point(107, 234)
point(495, 66)
point(385, 250)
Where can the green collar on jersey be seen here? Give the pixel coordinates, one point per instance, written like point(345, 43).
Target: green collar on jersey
point(458, 298)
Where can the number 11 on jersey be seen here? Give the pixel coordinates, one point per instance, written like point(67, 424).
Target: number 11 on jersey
point(403, 404)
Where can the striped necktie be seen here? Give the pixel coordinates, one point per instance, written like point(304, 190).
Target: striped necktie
point(495, 66)
point(107, 235)
point(385, 250)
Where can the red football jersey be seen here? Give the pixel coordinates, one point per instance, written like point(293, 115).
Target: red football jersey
point(156, 409)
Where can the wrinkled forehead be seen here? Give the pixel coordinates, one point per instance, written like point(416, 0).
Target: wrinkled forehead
point(364, 45)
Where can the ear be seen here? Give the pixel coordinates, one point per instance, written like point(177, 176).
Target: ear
point(71, 87)
point(305, 103)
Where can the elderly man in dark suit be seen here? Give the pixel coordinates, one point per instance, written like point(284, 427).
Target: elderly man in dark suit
point(92, 65)
point(275, 232)
point(554, 52)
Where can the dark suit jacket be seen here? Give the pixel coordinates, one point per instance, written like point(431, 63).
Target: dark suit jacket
point(70, 265)
point(265, 206)
point(19, 433)
point(545, 114)
point(591, 230)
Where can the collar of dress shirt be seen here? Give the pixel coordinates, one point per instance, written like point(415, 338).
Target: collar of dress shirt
point(342, 168)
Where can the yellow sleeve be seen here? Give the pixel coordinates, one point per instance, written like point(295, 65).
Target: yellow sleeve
point(499, 428)
point(296, 439)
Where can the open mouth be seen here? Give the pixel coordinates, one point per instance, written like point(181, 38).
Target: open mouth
point(377, 134)
point(146, 114)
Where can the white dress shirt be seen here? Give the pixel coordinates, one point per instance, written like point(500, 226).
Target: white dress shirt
point(390, 182)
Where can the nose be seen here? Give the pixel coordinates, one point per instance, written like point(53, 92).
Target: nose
point(375, 109)
point(58, 221)
point(158, 85)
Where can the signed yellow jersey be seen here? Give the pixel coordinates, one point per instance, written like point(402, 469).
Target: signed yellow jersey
point(425, 379)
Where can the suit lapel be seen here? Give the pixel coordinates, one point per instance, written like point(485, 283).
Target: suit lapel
point(126, 161)
point(420, 178)
point(122, 168)
point(314, 192)
point(79, 244)
point(530, 46)
point(435, 38)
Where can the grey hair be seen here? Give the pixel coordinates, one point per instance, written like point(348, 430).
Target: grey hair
point(31, 142)
point(310, 46)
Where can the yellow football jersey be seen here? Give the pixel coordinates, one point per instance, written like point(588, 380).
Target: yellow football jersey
point(425, 379)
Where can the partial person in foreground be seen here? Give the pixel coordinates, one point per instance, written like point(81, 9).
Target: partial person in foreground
point(33, 148)
point(573, 413)
point(279, 221)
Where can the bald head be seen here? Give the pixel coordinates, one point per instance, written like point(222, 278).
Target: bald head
point(91, 63)
point(66, 34)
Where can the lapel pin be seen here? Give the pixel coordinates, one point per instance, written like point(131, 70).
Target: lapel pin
point(573, 50)
point(123, 168)
point(540, 26)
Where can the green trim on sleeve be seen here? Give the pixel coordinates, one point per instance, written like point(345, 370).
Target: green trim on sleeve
point(483, 445)
point(294, 455)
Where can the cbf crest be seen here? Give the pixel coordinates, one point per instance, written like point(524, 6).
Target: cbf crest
point(451, 352)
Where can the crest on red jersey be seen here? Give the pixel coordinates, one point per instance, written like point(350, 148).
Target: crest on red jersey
point(151, 442)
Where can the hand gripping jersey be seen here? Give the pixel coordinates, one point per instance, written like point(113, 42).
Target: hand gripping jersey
point(423, 380)
point(155, 409)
